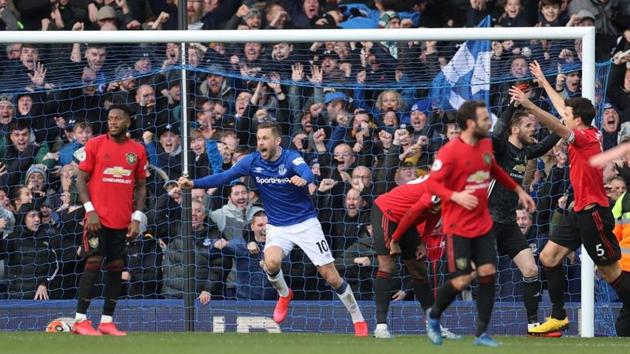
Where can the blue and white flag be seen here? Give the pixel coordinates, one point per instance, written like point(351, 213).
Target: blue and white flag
point(466, 76)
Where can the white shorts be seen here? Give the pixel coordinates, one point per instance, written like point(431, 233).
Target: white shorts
point(307, 235)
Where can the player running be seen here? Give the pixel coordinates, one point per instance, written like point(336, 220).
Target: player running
point(282, 177)
point(460, 176)
point(514, 144)
point(400, 218)
point(111, 177)
point(590, 222)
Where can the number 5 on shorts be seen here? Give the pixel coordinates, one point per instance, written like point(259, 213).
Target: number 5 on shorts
point(599, 249)
point(323, 246)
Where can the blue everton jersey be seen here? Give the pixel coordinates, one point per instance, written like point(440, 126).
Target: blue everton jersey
point(285, 203)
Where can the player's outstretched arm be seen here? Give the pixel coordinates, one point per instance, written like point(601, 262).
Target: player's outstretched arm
point(555, 97)
point(218, 179)
point(545, 118)
point(618, 152)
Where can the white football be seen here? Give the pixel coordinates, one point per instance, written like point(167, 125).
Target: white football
point(61, 324)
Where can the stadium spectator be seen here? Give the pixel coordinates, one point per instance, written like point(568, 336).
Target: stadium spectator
point(210, 270)
point(252, 283)
point(31, 256)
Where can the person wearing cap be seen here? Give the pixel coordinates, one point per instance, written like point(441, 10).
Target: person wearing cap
point(216, 86)
point(597, 13)
point(249, 16)
point(121, 90)
point(165, 154)
point(106, 18)
point(336, 103)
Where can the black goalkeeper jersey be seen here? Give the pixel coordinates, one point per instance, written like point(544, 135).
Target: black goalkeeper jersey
point(513, 160)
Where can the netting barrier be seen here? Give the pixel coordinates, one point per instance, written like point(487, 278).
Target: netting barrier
point(340, 104)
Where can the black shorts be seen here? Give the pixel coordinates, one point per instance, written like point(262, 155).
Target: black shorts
point(594, 229)
point(108, 243)
point(510, 239)
point(382, 230)
point(461, 251)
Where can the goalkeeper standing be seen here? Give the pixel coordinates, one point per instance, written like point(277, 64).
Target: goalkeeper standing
point(111, 177)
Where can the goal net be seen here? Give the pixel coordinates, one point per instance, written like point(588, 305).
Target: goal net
point(339, 96)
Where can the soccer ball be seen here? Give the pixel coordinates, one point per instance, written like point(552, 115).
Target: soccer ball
point(61, 324)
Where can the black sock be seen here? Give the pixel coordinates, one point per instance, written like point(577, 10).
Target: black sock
point(622, 287)
point(85, 288)
point(446, 295)
point(424, 293)
point(383, 293)
point(531, 297)
point(112, 290)
point(485, 302)
point(556, 283)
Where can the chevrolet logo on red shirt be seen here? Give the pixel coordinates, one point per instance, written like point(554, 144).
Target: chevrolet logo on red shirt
point(117, 172)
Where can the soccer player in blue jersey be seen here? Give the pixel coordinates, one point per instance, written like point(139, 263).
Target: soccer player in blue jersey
point(282, 178)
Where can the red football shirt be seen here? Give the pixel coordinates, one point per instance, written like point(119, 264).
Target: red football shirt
point(587, 181)
point(410, 205)
point(113, 168)
point(460, 166)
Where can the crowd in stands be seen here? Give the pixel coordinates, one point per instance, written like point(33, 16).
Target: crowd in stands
point(360, 114)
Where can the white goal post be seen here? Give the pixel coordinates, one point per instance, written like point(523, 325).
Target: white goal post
point(586, 34)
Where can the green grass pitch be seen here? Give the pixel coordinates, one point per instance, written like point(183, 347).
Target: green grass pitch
point(281, 343)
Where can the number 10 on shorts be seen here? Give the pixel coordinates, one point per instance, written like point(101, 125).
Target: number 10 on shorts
point(323, 246)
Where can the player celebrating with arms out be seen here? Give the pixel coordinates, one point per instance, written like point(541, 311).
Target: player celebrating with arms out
point(460, 176)
point(282, 177)
point(111, 177)
point(514, 144)
point(591, 222)
point(399, 218)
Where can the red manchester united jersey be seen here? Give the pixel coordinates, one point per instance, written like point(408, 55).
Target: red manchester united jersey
point(113, 168)
point(587, 181)
point(458, 167)
point(410, 205)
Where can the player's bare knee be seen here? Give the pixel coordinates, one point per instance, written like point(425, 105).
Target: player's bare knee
point(549, 259)
point(486, 270)
point(272, 265)
point(530, 271)
point(461, 282)
point(609, 272)
point(385, 264)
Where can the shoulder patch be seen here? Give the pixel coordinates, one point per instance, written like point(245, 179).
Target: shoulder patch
point(298, 161)
point(79, 155)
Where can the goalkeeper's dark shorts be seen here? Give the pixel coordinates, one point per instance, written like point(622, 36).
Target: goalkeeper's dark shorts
point(510, 239)
point(108, 243)
point(382, 231)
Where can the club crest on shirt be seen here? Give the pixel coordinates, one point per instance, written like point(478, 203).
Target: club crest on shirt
point(93, 241)
point(487, 158)
point(282, 170)
point(437, 165)
point(461, 263)
point(131, 158)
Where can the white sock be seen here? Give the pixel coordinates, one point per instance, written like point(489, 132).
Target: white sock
point(381, 326)
point(106, 319)
point(347, 297)
point(278, 282)
point(80, 316)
